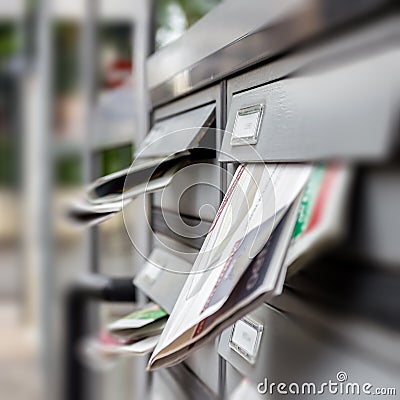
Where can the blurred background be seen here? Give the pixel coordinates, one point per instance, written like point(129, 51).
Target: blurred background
point(71, 89)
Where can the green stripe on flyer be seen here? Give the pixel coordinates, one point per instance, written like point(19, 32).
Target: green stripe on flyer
point(153, 312)
point(308, 200)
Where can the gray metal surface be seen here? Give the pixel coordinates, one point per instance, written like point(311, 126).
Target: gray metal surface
point(194, 191)
point(380, 217)
point(163, 276)
point(176, 211)
point(178, 133)
point(179, 383)
point(205, 365)
point(376, 35)
point(340, 112)
point(38, 239)
point(250, 32)
point(294, 350)
point(186, 230)
point(199, 99)
point(209, 35)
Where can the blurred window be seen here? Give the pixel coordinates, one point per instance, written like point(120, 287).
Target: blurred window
point(116, 53)
point(65, 57)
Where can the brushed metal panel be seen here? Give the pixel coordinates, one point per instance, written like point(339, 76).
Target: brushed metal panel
point(251, 32)
point(204, 363)
point(194, 191)
point(291, 352)
point(181, 132)
point(343, 112)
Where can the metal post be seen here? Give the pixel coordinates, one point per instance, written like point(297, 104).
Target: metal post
point(143, 44)
point(89, 58)
point(37, 193)
point(88, 75)
point(224, 187)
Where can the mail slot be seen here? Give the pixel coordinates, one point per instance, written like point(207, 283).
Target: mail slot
point(336, 112)
point(194, 191)
point(178, 133)
point(162, 279)
point(174, 143)
point(182, 213)
point(185, 209)
point(163, 276)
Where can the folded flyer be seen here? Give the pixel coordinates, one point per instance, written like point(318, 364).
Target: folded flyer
point(105, 347)
point(142, 177)
point(109, 194)
point(141, 347)
point(261, 281)
point(258, 198)
point(83, 213)
point(148, 321)
point(321, 218)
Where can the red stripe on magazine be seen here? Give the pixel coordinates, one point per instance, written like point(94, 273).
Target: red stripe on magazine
point(322, 197)
point(227, 197)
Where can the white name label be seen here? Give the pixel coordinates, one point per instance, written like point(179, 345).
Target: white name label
point(247, 125)
point(245, 338)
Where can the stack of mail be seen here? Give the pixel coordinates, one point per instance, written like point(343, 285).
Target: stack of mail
point(321, 218)
point(135, 334)
point(109, 194)
point(241, 262)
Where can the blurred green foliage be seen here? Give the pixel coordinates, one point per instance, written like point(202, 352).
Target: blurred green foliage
point(192, 10)
point(196, 9)
point(8, 40)
point(68, 171)
point(9, 164)
point(9, 111)
point(113, 160)
point(65, 57)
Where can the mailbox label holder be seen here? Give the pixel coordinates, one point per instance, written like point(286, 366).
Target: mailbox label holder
point(247, 125)
point(245, 338)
